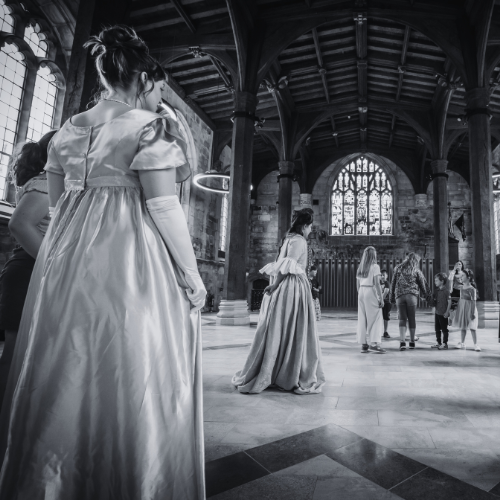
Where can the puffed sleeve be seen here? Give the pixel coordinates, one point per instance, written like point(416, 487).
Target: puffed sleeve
point(159, 150)
point(38, 183)
point(53, 164)
point(376, 270)
point(288, 264)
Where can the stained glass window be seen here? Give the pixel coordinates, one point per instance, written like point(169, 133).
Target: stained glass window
point(43, 105)
point(224, 209)
point(12, 73)
point(35, 40)
point(6, 20)
point(362, 200)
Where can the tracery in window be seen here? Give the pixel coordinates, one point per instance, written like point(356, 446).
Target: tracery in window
point(6, 20)
point(12, 74)
point(36, 40)
point(362, 200)
point(43, 105)
point(223, 216)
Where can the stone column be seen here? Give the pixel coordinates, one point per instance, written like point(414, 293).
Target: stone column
point(285, 197)
point(233, 309)
point(482, 202)
point(440, 199)
point(78, 60)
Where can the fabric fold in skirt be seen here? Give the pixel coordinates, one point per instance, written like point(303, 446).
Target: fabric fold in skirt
point(104, 399)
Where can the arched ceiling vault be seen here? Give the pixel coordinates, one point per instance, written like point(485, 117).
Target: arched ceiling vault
point(332, 78)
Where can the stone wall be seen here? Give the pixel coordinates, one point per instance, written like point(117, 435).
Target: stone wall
point(413, 220)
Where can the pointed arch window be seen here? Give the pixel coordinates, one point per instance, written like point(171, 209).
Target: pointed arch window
point(12, 75)
point(43, 105)
point(6, 20)
point(362, 200)
point(36, 40)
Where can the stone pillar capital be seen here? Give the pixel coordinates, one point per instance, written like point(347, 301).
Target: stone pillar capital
point(477, 98)
point(305, 200)
point(245, 102)
point(439, 166)
point(286, 167)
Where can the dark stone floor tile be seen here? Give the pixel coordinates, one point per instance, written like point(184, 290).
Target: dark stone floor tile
point(434, 484)
point(377, 463)
point(230, 472)
point(496, 490)
point(289, 451)
point(272, 488)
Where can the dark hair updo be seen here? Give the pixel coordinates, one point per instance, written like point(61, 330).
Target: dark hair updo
point(120, 56)
point(300, 219)
point(31, 159)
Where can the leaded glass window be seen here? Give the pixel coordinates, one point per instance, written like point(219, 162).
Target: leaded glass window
point(36, 40)
point(223, 216)
point(362, 200)
point(12, 74)
point(6, 20)
point(43, 105)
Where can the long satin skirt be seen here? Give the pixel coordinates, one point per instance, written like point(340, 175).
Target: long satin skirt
point(285, 351)
point(104, 399)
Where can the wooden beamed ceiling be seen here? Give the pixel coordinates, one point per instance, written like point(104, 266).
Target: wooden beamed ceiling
point(358, 69)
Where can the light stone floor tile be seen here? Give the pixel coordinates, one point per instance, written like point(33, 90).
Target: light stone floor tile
point(259, 434)
point(423, 418)
point(394, 437)
point(439, 407)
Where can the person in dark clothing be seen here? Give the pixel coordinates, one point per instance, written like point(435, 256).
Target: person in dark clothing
point(386, 310)
point(315, 290)
point(441, 300)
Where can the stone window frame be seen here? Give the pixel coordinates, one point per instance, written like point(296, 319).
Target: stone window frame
point(381, 161)
point(22, 19)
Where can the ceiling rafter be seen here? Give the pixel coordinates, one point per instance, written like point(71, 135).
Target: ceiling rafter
point(361, 29)
point(322, 72)
point(185, 17)
point(401, 70)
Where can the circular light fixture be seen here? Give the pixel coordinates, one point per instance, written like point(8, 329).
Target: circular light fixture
point(197, 178)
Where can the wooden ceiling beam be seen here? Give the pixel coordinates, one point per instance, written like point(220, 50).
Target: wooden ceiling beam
point(401, 69)
point(185, 17)
point(361, 29)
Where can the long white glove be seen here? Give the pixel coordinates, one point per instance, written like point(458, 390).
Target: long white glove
point(168, 216)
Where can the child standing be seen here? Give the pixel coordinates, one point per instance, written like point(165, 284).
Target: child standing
point(441, 300)
point(466, 314)
point(386, 310)
point(316, 290)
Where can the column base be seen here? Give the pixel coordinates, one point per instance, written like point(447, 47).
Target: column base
point(233, 312)
point(488, 313)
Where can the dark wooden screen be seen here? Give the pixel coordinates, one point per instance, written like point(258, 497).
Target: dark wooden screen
point(338, 280)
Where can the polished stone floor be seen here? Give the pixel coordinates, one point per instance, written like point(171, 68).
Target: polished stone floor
point(417, 424)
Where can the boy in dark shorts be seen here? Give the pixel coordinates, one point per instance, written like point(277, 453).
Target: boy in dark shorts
point(386, 310)
point(441, 300)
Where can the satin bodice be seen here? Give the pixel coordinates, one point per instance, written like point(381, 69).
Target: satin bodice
point(111, 153)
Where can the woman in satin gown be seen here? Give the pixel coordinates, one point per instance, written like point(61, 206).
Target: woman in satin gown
point(105, 389)
point(285, 351)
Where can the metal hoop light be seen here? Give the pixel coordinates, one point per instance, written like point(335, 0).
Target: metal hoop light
point(210, 175)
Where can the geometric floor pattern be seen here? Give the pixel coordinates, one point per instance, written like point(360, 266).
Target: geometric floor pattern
point(421, 424)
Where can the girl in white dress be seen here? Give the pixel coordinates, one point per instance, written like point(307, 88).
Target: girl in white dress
point(370, 303)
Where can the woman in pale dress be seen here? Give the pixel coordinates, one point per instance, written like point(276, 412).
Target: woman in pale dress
point(370, 303)
point(285, 352)
point(105, 388)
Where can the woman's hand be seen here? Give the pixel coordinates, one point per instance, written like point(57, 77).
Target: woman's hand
point(270, 289)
